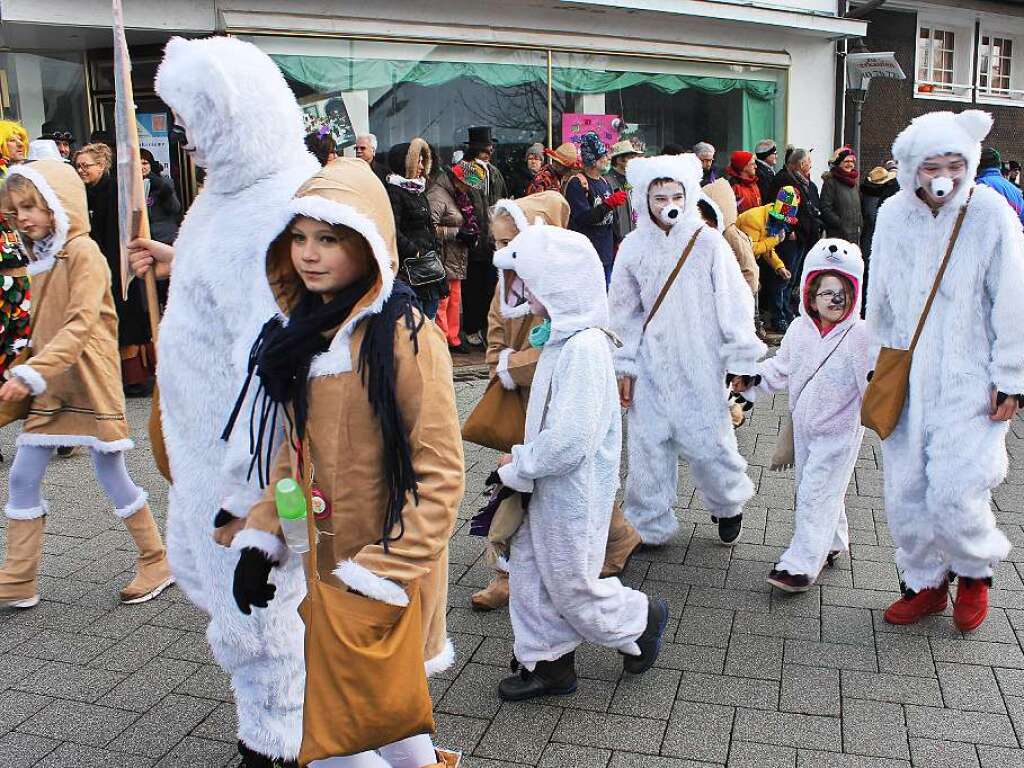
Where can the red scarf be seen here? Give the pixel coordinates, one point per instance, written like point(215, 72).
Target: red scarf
point(849, 179)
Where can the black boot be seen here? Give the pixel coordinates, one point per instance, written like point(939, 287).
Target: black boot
point(650, 641)
point(729, 529)
point(549, 678)
point(253, 759)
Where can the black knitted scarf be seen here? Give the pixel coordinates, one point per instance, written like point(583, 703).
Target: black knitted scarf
point(281, 358)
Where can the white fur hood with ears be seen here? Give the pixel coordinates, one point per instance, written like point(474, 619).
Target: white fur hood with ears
point(941, 133)
point(641, 171)
point(237, 109)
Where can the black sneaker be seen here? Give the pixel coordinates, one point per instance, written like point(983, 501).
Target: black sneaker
point(830, 560)
point(729, 529)
point(789, 582)
point(253, 759)
point(651, 639)
point(549, 678)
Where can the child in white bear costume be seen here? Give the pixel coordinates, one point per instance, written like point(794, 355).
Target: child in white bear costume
point(948, 450)
point(244, 127)
point(673, 375)
point(569, 460)
point(823, 361)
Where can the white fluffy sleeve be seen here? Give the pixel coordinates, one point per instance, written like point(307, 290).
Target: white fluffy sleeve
point(626, 307)
point(879, 310)
point(776, 370)
point(1004, 283)
point(734, 307)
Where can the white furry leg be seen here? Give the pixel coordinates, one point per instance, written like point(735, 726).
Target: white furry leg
point(719, 471)
point(652, 479)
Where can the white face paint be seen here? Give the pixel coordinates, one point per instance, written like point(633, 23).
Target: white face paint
point(941, 176)
point(831, 300)
point(666, 201)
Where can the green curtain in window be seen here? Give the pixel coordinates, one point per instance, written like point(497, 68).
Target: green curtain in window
point(327, 73)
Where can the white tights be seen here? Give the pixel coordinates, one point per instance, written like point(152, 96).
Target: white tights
point(29, 468)
point(414, 752)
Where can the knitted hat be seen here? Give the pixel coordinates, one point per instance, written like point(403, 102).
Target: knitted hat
point(990, 158)
point(469, 173)
point(785, 206)
point(739, 160)
point(591, 148)
point(567, 154)
point(841, 154)
point(535, 150)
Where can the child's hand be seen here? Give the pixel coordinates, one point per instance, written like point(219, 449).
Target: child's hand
point(14, 390)
point(506, 458)
point(143, 254)
point(625, 391)
point(1004, 407)
point(743, 383)
point(784, 273)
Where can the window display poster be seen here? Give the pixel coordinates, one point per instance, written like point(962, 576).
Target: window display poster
point(574, 125)
point(329, 113)
point(153, 135)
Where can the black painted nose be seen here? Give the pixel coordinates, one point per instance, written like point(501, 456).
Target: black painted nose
point(673, 213)
point(833, 248)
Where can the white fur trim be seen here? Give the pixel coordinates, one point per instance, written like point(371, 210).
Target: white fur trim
point(511, 207)
point(719, 218)
point(501, 563)
point(267, 543)
point(61, 225)
point(68, 441)
point(502, 369)
point(511, 479)
point(509, 313)
point(338, 359)
point(366, 582)
point(135, 506)
point(442, 662)
point(27, 514)
point(641, 171)
point(31, 378)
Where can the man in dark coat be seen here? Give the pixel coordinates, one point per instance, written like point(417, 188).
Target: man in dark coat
point(767, 155)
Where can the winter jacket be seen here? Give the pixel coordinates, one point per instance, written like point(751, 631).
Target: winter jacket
point(345, 434)
point(590, 215)
point(991, 177)
point(448, 219)
point(720, 193)
point(509, 354)
point(546, 179)
point(164, 209)
point(840, 209)
point(871, 198)
point(624, 213)
point(765, 181)
point(414, 228)
point(75, 369)
point(808, 216)
point(754, 224)
point(748, 195)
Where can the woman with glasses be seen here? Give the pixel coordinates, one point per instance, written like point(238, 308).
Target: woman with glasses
point(95, 166)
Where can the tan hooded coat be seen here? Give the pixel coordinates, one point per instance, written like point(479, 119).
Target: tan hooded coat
point(345, 435)
point(721, 194)
point(75, 369)
point(508, 327)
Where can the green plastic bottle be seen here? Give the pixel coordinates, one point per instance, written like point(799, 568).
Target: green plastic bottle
point(291, 509)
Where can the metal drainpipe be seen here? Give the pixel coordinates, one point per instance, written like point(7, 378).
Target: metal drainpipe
point(842, 48)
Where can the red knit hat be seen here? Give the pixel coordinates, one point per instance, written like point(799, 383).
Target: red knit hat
point(739, 160)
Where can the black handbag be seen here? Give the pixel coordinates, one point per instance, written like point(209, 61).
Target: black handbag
point(425, 269)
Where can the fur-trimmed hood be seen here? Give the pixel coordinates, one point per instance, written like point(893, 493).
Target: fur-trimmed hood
point(64, 193)
point(403, 159)
point(720, 195)
point(348, 193)
point(236, 107)
point(562, 269)
point(941, 133)
point(548, 207)
point(833, 254)
point(641, 171)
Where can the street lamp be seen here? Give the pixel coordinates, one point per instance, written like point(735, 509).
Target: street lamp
point(861, 68)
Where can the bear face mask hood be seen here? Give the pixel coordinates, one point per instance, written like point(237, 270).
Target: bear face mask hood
point(941, 133)
point(562, 269)
point(833, 255)
point(548, 207)
point(233, 102)
point(686, 169)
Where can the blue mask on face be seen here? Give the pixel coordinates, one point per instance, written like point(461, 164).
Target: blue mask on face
point(540, 334)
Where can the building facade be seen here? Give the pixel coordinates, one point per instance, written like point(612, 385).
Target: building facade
point(731, 73)
point(956, 56)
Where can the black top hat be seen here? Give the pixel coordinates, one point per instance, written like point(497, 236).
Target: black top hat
point(481, 135)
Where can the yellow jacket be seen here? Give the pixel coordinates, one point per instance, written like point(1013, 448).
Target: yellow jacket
point(754, 223)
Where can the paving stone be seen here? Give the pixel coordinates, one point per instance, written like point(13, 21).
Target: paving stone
point(220, 725)
point(905, 655)
point(79, 756)
point(649, 695)
point(569, 756)
point(840, 624)
point(133, 652)
point(162, 727)
point(958, 725)
point(815, 759)
point(78, 722)
point(874, 728)
point(200, 753)
point(831, 655)
point(693, 658)
point(705, 626)
point(475, 692)
point(207, 682)
point(900, 689)
point(743, 754)
point(754, 656)
point(810, 690)
point(930, 753)
point(520, 733)
point(961, 651)
point(789, 730)
point(698, 732)
point(458, 733)
point(70, 681)
point(776, 625)
point(970, 687)
point(729, 691)
point(143, 689)
point(998, 757)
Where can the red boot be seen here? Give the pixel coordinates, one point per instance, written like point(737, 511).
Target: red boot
point(914, 606)
point(971, 605)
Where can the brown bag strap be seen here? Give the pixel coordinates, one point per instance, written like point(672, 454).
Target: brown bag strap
point(671, 279)
point(941, 272)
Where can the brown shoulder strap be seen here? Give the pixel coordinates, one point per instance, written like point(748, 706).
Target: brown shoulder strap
point(941, 272)
point(671, 278)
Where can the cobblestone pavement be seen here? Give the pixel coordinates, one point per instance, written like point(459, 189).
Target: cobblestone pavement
point(750, 678)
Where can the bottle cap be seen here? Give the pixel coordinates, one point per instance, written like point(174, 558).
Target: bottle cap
point(290, 500)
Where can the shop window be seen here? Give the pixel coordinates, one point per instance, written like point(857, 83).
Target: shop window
point(943, 61)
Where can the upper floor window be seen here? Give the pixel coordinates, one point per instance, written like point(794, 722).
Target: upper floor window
point(995, 66)
point(935, 59)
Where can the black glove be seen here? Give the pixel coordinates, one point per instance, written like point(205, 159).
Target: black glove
point(1001, 398)
point(750, 381)
point(223, 518)
point(466, 237)
point(252, 585)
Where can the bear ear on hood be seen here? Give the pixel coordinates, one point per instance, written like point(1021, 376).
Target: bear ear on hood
point(975, 122)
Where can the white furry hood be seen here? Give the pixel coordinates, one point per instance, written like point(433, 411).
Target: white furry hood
point(686, 169)
point(941, 133)
point(237, 109)
point(562, 269)
point(833, 254)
